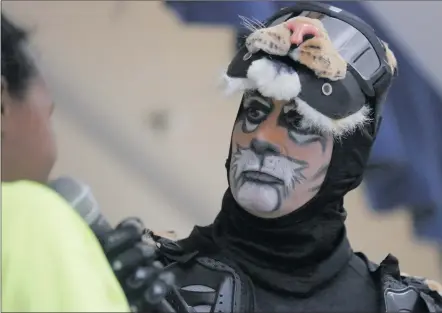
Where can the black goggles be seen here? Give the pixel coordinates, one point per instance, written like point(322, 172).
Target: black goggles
point(355, 40)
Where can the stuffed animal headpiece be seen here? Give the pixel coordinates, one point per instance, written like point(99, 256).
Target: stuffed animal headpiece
point(329, 64)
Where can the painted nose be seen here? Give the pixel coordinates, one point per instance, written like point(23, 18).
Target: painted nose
point(264, 147)
point(301, 31)
point(270, 138)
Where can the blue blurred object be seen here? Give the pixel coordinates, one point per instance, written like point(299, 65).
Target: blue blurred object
point(409, 143)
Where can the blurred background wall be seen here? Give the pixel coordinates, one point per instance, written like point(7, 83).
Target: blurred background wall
point(139, 116)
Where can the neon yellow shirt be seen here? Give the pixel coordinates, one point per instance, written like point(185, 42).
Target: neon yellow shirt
point(51, 260)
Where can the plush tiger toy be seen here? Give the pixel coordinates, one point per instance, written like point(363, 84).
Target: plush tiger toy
point(317, 53)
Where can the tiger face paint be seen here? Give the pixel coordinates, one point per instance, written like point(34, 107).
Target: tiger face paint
point(276, 166)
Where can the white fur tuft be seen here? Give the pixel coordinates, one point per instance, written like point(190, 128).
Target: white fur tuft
point(270, 79)
point(337, 128)
point(280, 85)
point(232, 85)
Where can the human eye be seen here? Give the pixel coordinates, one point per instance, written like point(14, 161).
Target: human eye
point(297, 131)
point(255, 114)
point(256, 111)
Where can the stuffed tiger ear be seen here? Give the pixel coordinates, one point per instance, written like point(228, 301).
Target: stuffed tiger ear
point(391, 59)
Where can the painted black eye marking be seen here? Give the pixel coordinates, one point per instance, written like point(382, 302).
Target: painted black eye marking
point(292, 120)
point(256, 110)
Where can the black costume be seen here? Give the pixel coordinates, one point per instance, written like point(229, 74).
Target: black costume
point(301, 262)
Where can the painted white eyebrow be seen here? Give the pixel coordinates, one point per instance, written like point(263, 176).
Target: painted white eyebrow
point(261, 100)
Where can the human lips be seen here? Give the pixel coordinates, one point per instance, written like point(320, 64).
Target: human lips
point(260, 177)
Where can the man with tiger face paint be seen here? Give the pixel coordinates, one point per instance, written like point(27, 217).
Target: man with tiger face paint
point(277, 166)
point(313, 79)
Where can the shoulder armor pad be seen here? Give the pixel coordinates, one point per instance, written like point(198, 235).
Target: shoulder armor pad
point(404, 293)
point(400, 299)
point(209, 285)
point(430, 291)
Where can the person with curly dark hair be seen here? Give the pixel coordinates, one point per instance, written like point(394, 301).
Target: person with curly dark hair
point(51, 260)
point(28, 143)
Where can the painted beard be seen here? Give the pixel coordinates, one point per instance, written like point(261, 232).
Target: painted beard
point(262, 182)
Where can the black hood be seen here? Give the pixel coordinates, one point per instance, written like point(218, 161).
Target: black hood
point(348, 163)
point(273, 251)
point(298, 252)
